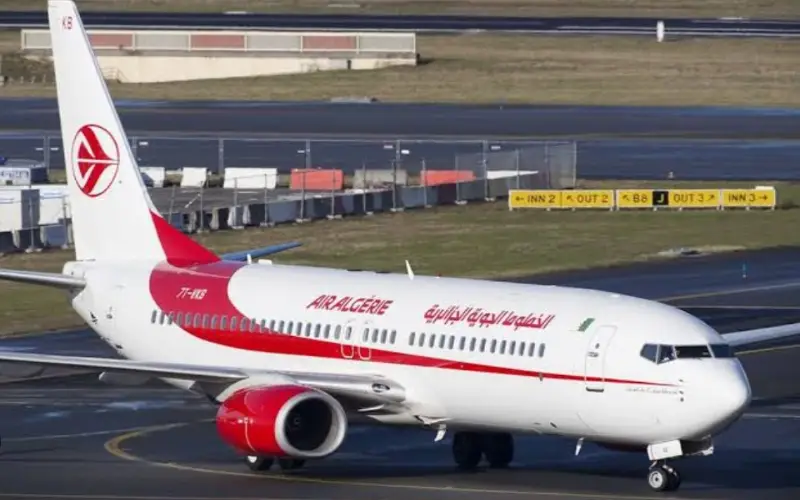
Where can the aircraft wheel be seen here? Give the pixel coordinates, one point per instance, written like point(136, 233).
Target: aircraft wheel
point(257, 463)
point(290, 463)
point(663, 478)
point(499, 449)
point(467, 450)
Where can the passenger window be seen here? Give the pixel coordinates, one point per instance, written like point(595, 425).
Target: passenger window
point(393, 336)
point(483, 345)
point(298, 328)
point(503, 347)
point(442, 339)
point(214, 322)
point(511, 347)
point(531, 349)
point(384, 336)
point(494, 344)
point(162, 317)
point(337, 332)
point(472, 343)
point(280, 326)
point(375, 333)
point(254, 325)
point(223, 322)
point(153, 316)
point(432, 342)
point(411, 338)
point(348, 332)
point(327, 333)
point(244, 325)
point(521, 348)
point(421, 339)
point(272, 325)
point(462, 343)
point(541, 350)
point(171, 318)
point(233, 323)
point(205, 321)
point(308, 329)
point(650, 352)
point(178, 318)
point(317, 329)
point(197, 319)
point(452, 342)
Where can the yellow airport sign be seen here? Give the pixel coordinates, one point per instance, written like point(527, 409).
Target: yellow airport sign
point(634, 198)
point(691, 198)
point(524, 198)
point(749, 198)
point(588, 198)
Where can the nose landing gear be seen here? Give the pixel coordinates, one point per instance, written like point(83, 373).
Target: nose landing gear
point(663, 477)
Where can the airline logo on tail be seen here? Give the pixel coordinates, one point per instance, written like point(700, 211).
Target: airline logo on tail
point(95, 159)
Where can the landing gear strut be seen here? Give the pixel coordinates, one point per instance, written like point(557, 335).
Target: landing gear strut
point(259, 464)
point(470, 447)
point(663, 477)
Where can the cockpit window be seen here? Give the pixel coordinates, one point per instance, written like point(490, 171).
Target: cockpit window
point(650, 351)
point(692, 352)
point(722, 351)
point(659, 353)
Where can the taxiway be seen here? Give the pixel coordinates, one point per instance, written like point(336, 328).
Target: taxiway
point(69, 437)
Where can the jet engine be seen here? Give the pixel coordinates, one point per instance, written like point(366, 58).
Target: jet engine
point(282, 421)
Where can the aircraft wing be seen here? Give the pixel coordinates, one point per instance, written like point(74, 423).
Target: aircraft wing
point(41, 278)
point(744, 339)
point(365, 388)
point(260, 252)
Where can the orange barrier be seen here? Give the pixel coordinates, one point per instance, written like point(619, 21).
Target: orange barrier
point(434, 177)
point(316, 179)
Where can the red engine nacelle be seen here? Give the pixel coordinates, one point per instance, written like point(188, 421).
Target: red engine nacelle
point(282, 421)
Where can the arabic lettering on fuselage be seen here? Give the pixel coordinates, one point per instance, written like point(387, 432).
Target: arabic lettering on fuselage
point(345, 303)
point(473, 316)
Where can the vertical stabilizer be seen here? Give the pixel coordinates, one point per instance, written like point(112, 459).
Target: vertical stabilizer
point(112, 215)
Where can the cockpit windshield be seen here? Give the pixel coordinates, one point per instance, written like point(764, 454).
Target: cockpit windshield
point(661, 353)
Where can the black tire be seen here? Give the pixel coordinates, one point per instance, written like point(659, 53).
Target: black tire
point(499, 450)
point(290, 463)
point(467, 450)
point(258, 464)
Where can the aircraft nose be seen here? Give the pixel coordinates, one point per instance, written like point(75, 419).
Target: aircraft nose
point(733, 395)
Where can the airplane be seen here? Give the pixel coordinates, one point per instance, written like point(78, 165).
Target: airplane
point(293, 355)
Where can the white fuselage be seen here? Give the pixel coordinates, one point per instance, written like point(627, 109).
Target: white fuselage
point(476, 354)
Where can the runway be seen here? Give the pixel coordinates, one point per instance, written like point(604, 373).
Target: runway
point(611, 142)
point(73, 437)
point(424, 23)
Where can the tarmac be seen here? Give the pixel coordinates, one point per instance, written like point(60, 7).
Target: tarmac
point(612, 142)
point(70, 437)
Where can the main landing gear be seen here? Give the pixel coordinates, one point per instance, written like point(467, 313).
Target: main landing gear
point(470, 447)
point(259, 464)
point(663, 477)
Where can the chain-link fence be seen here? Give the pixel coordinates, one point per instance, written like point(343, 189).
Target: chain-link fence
point(260, 182)
point(557, 159)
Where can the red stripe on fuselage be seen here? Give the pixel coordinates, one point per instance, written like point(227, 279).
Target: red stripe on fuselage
point(172, 289)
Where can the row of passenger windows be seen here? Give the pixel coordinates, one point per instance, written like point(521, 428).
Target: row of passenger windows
point(337, 332)
point(510, 347)
point(660, 354)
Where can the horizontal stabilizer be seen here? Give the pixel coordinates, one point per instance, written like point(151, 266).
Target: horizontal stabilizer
point(40, 278)
point(260, 252)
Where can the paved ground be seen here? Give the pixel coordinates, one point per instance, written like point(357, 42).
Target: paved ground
point(71, 437)
point(612, 142)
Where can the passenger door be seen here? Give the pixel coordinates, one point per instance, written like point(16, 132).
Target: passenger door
point(594, 373)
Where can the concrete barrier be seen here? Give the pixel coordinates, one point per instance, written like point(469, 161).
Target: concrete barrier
point(364, 179)
point(250, 178)
point(154, 176)
point(194, 177)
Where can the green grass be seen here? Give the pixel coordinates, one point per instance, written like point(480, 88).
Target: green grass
point(477, 240)
point(628, 8)
point(528, 69)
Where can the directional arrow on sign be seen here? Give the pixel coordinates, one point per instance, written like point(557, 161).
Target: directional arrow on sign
point(626, 197)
